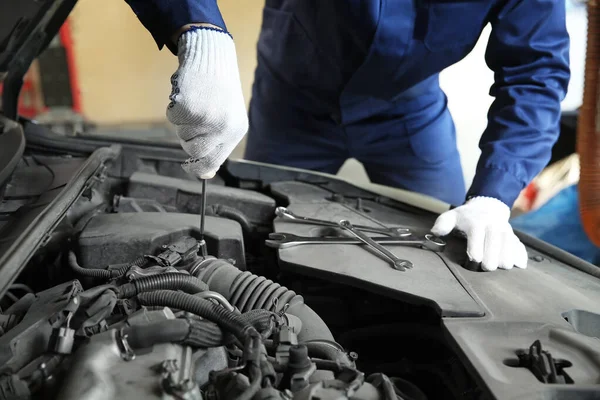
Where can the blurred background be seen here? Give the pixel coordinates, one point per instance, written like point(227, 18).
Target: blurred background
point(105, 75)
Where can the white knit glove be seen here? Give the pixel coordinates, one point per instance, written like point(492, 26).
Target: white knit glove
point(490, 238)
point(207, 105)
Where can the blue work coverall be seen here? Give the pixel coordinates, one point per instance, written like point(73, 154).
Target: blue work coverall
point(360, 78)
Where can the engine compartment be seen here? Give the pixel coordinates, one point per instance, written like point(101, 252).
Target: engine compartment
point(118, 301)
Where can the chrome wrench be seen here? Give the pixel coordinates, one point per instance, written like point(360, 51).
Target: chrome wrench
point(280, 240)
point(287, 215)
point(384, 253)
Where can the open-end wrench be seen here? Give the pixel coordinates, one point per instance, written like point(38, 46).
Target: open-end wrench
point(287, 215)
point(280, 240)
point(395, 262)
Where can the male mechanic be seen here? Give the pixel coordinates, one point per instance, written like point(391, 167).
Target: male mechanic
point(360, 78)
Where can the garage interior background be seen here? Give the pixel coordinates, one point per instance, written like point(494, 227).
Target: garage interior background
point(124, 80)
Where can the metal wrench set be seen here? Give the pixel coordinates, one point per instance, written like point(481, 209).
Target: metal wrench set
point(391, 236)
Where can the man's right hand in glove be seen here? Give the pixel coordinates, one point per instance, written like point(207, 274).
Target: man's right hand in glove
point(207, 105)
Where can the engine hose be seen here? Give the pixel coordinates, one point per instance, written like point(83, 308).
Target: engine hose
point(262, 320)
point(226, 319)
point(193, 333)
point(91, 272)
point(247, 291)
point(588, 131)
point(218, 297)
point(328, 351)
point(166, 281)
point(102, 273)
point(234, 214)
point(138, 262)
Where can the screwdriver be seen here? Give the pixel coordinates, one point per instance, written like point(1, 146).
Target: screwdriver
point(202, 242)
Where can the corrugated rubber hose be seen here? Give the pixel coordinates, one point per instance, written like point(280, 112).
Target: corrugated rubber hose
point(247, 291)
point(167, 281)
point(102, 273)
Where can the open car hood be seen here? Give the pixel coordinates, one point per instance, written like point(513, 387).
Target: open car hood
point(441, 326)
point(26, 28)
point(105, 292)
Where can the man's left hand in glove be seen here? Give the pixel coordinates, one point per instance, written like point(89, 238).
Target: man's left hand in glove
point(490, 238)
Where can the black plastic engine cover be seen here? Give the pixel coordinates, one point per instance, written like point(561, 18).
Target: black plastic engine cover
point(185, 196)
point(120, 238)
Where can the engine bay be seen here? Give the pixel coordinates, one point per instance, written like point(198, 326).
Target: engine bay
point(121, 301)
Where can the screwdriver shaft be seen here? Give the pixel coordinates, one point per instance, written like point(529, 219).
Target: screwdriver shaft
point(202, 215)
point(203, 209)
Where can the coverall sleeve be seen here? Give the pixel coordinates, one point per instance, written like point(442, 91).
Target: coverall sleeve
point(528, 51)
point(162, 18)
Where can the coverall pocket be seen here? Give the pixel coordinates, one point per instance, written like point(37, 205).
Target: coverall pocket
point(286, 50)
point(454, 24)
point(434, 142)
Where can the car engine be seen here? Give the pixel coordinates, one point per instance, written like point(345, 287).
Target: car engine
point(123, 301)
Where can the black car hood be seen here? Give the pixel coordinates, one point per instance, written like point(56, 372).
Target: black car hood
point(26, 28)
